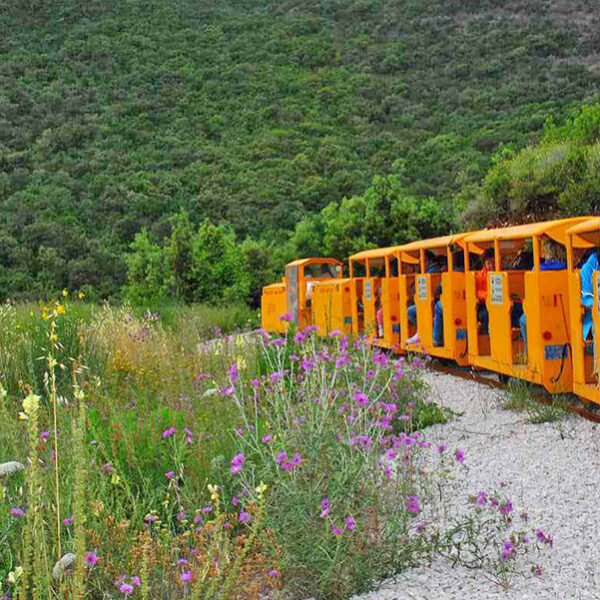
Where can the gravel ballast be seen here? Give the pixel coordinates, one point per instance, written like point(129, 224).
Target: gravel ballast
point(551, 470)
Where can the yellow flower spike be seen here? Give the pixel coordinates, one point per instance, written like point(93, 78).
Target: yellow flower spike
point(115, 479)
point(23, 416)
point(80, 295)
point(60, 309)
point(31, 404)
point(261, 489)
point(65, 293)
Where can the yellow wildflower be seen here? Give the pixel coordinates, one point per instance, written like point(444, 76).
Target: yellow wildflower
point(31, 404)
point(80, 295)
point(65, 293)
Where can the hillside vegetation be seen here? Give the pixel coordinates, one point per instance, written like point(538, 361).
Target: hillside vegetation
point(116, 115)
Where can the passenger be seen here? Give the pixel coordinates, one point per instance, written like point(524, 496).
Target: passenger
point(378, 312)
point(554, 258)
point(483, 317)
point(586, 276)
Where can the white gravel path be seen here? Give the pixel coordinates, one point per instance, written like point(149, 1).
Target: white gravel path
point(553, 473)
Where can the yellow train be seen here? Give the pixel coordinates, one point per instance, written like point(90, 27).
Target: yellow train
point(522, 301)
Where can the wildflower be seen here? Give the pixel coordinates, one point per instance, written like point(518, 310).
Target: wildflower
point(350, 523)
point(13, 577)
point(10, 467)
point(180, 515)
point(509, 551)
point(80, 295)
point(277, 376)
point(186, 577)
point(65, 293)
point(336, 530)
point(227, 525)
point(239, 432)
point(202, 376)
point(206, 509)
point(91, 558)
point(254, 383)
point(68, 521)
point(266, 438)
point(546, 538)
point(150, 518)
point(188, 433)
point(237, 464)
point(126, 588)
point(44, 436)
point(280, 458)
point(167, 433)
point(481, 498)
point(169, 475)
point(233, 373)
point(421, 526)
point(243, 517)
point(17, 512)
point(182, 562)
point(295, 462)
point(536, 570)
point(300, 337)
point(228, 391)
point(361, 399)
point(506, 508)
point(31, 404)
point(136, 581)
point(460, 456)
point(274, 573)
point(286, 317)
point(412, 504)
point(325, 508)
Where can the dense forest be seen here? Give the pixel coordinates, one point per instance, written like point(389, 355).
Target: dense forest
point(200, 144)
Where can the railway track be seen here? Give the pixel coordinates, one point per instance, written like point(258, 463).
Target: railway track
point(490, 379)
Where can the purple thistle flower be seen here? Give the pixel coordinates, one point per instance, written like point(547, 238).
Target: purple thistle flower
point(274, 573)
point(460, 456)
point(481, 498)
point(277, 376)
point(186, 577)
point(254, 383)
point(350, 523)
point(243, 517)
point(233, 373)
point(336, 530)
point(228, 391)
point(17, 512)
point(68, 521)
point(280, 458)
point(136, 581)
point(206, 509)
point(167, 433)
point(237, 464)
point(335, 333)
point(235, 501)
point(506, 508)
point(239, 432)
point(180, 515)
point(300, 337)
point(285, 317)
point(182, 562)
point(45, 436)
point(91, 558)
point(169, 474)
point(126, 588)
point(361, 399)
point(188, 433)
point(325, 508)
point(277, 342)
point(266, 438)
point(150, 518)
point(412, 504)
point(421, 526)
point(202, 376)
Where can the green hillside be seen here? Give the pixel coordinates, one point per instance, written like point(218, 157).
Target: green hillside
point(117, 114)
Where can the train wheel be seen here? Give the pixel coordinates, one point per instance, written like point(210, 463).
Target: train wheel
point(502, 378)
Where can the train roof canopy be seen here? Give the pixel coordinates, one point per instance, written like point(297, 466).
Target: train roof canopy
point(553, 229)
point(437, 242)
point(586, 234)
point(317, 260)
point(375, 253)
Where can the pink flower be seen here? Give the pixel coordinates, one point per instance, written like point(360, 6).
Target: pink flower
point(136, 581)
point(202, 376)
point(68, 521)
point(412, 504)
point(126, 588)
point(91, 558)
point(325, 508)
point(186, 577)
point(17, 512)
point(167, 433)
point(460, 456)
point(169, 474)
point(267, 438)
point(188, 433)
point(243, 517)
point(336, 530)
point(228, 391)
point(285, 317)
point(350, 523)
point(237, 464)
point(274, 573)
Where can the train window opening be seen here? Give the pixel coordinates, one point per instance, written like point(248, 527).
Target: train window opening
point(321, 271)
point(393, 266)
point(359, 268)
point(377, 267)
